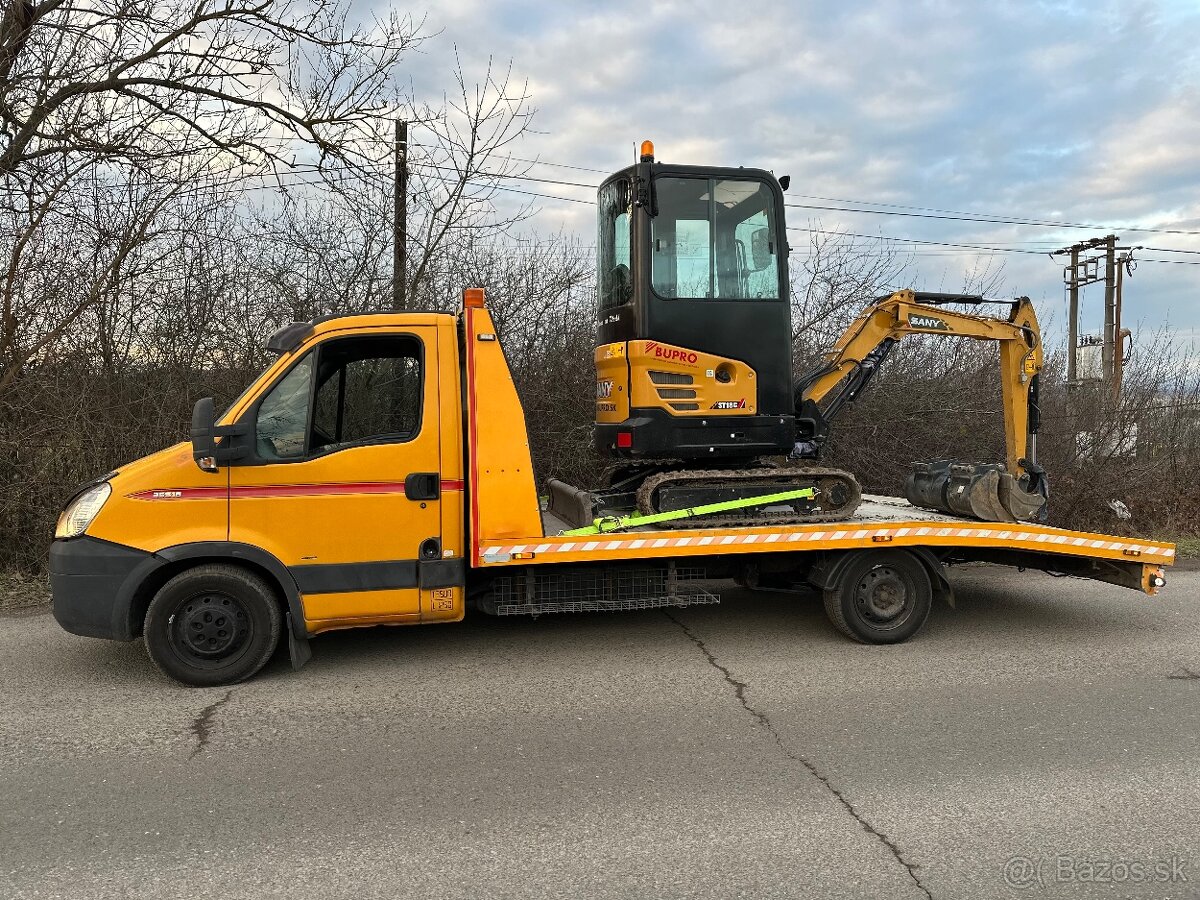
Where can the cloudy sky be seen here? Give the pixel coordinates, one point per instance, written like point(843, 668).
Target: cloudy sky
point(1060, 111)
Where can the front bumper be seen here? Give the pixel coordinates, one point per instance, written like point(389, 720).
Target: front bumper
point(92, 583)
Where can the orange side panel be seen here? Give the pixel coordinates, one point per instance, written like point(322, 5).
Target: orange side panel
point(612, 384)
point(165, 499)
point(502, 494)
point(687, 383)
point(362, 606)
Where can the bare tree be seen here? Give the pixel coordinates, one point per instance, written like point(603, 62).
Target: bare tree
point(145, 80)
point(463, 163)
point(112, 110)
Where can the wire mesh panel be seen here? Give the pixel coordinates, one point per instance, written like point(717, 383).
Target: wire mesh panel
point(600, 589)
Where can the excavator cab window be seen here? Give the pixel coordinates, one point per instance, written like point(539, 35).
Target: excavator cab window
point(615, 286)
point(714, 238)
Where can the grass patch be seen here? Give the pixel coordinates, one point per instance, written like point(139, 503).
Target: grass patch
point(1187, 546)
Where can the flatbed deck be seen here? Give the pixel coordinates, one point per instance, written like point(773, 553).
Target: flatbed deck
point(879, 520)
point(874, 508)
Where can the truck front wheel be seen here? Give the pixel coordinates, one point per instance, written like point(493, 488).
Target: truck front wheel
point(880, 597)
point(211, 625)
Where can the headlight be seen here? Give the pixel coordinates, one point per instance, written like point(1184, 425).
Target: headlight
point(79, 512)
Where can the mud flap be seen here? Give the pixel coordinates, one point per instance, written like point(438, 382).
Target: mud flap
point(299, 651)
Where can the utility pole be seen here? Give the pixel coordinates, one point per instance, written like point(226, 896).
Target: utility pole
point(1108, 348)
point(1085, 269)
point(400, 219)
point(1073, 318)
point(1125, 266)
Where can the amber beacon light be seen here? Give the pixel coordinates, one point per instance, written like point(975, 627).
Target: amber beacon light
point(473, 298)
point(647, 151)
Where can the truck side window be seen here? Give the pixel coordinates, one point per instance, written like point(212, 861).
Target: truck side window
point(368, 390)
point(282, 423)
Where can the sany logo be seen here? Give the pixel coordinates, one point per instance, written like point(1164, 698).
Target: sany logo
point(671, 353)
point(603, 390)
point(730, 404)
point(928, 322)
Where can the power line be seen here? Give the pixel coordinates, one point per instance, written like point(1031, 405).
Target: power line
point(976, 248)
point(966, 247)
point(923, 212)
point(515, 177)
point(967, 216)
point(543, 196)
point(889, 209)
point(292, 179)
point(560, 182)
point(542, 162)
point(929, 212)
point(990, 220)
point(563, 183)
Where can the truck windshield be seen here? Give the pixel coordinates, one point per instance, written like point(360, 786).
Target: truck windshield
point(714, 238)
point(614, 286)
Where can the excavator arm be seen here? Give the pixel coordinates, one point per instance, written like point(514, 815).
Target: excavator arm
point(1019, 489)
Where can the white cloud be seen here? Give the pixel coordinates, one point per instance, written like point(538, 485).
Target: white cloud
point(1053, 110)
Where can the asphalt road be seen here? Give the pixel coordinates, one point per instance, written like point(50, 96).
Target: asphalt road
point(1041, 734)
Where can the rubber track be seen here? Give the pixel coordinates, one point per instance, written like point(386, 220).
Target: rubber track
point(804, 477)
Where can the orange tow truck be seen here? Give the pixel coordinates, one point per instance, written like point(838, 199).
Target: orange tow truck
point(379, 473)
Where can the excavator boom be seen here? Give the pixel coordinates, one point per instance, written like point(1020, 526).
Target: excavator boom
point(1013, 492)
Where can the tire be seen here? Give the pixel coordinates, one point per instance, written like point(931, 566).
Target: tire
point(213, 624)
point(881, 597)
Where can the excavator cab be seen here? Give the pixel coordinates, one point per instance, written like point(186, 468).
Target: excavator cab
point(694, 347)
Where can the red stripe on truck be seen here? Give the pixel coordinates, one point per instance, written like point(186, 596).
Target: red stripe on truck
point(264, 491)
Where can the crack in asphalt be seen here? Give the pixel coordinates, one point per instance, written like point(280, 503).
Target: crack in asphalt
point(1185, 674)
point(202, 724)
point(739, 689)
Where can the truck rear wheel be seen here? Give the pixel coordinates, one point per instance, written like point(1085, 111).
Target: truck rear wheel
point(880, 597)
point(211, 625)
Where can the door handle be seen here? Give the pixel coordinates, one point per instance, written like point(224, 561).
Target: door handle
point(423, 486)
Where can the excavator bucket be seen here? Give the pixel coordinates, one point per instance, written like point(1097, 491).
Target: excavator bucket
point(985, 491)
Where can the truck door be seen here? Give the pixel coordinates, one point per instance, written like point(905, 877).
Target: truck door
point(343, 483)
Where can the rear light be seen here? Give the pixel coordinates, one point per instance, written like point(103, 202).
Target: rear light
point(624, 439)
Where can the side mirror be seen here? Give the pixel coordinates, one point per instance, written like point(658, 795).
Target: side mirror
point(207, 453)
point(761, 251)
point(204, 438)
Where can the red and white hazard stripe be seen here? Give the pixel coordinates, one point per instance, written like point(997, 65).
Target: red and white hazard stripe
point(1041, 539)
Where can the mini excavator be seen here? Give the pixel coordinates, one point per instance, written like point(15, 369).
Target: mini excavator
point(695, 397)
